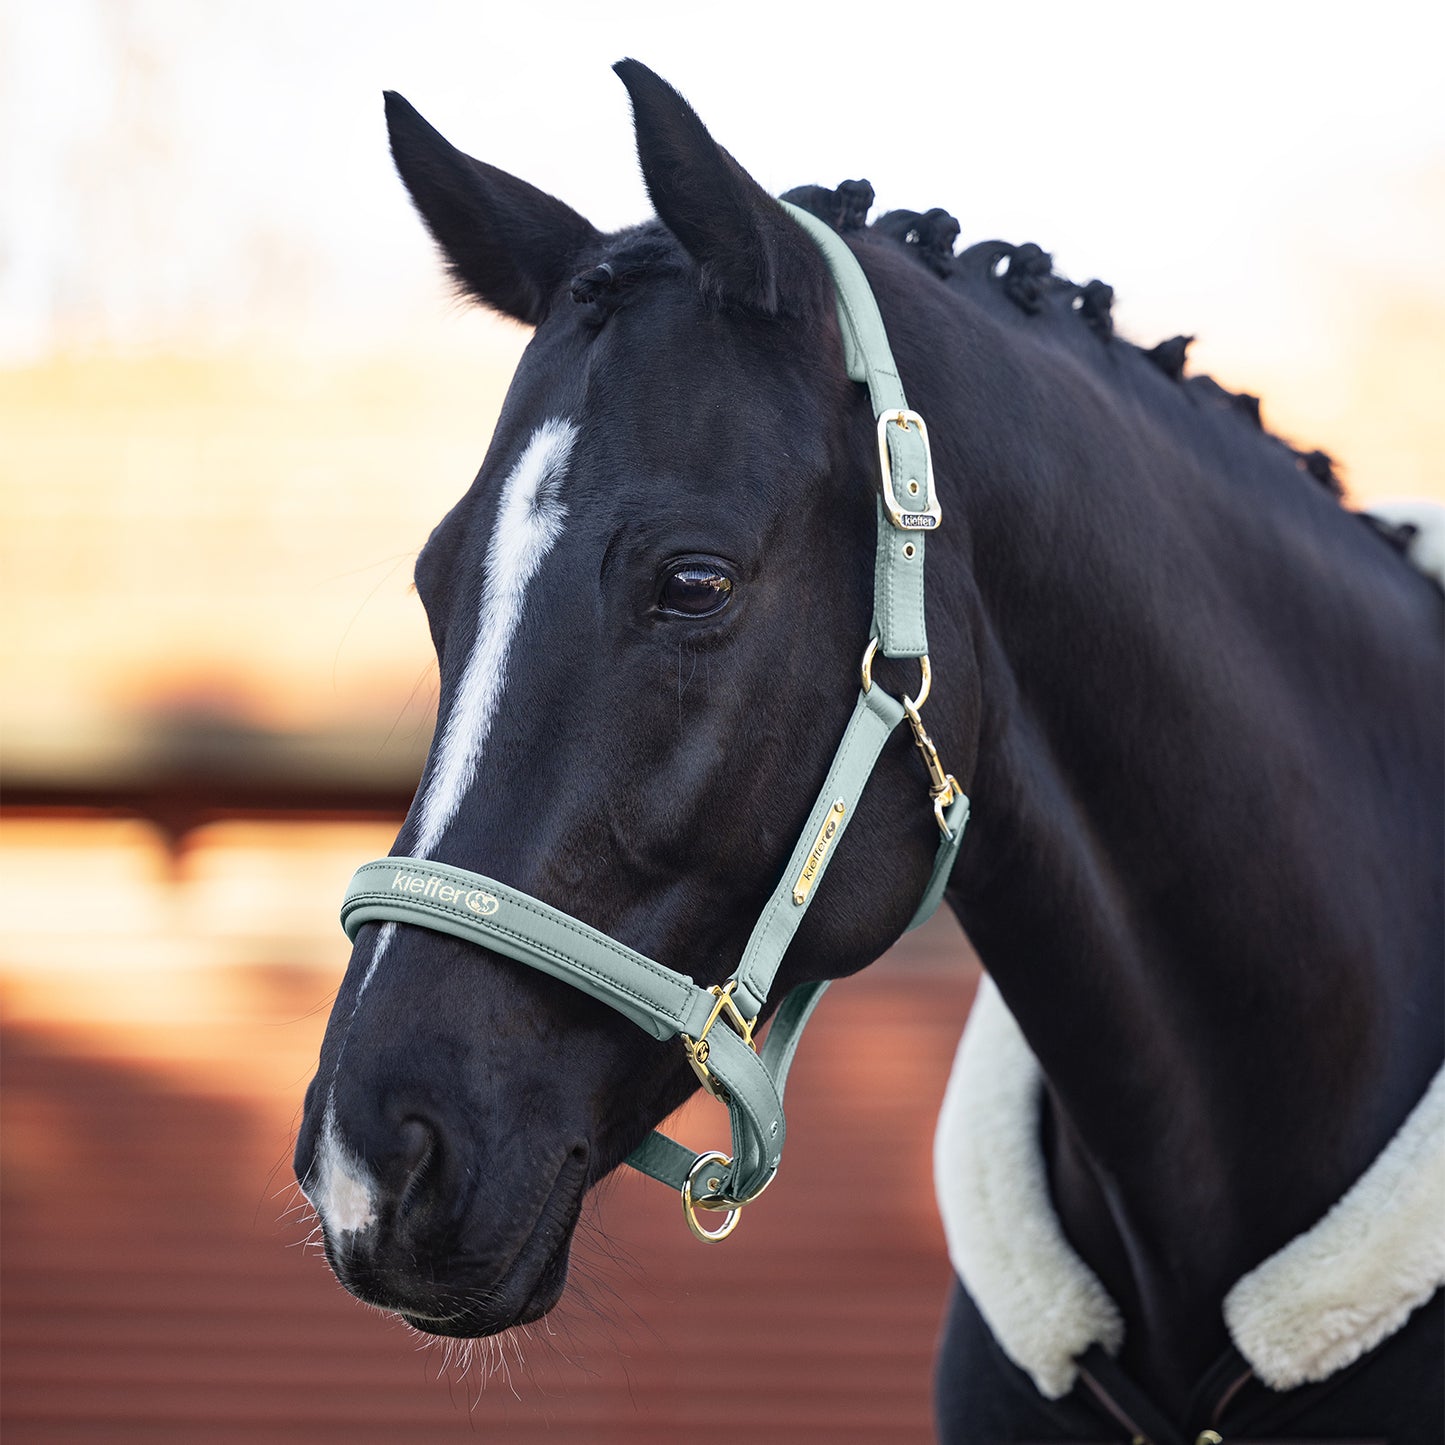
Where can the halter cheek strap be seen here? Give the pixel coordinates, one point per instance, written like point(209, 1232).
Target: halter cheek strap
point(716, 1024)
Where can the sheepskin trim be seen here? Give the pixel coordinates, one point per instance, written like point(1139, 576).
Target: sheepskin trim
point(1426, 548)
point(1351, 1281)
point(1044, 1305)
point(1328, 1297)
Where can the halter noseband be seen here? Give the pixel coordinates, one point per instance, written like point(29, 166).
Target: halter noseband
point(716, 1024)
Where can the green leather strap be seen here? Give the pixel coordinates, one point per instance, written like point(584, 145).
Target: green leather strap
point(786, 1030)
point(898, 613)
point(956, 816)
point(435, 895)
point(668, 1162)
point(866, 352)
point(663, 1159)
point(874, 718)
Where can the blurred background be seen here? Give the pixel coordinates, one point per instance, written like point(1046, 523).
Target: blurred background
point(235, 396)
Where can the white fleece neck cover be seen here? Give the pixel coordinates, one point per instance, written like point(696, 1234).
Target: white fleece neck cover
point(1315, 1306)
point(1312, 1308)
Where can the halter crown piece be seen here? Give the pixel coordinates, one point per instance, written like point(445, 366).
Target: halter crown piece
point(716, 1024)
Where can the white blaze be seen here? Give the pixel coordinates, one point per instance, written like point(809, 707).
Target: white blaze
point(529, 521)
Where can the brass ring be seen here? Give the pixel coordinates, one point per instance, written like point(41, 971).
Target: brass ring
point(926, 668)
point(868, 656)
point(690, 1208)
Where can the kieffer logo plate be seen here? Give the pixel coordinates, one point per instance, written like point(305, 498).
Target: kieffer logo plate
point(818, 852)
point(428, 885)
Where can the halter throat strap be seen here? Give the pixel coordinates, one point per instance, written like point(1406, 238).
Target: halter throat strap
point(716, 1024)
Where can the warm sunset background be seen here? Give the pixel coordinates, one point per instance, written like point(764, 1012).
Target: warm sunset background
point(234, 398)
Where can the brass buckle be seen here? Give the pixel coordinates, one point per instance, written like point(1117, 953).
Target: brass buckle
point(698, 1049)
point(928, 519)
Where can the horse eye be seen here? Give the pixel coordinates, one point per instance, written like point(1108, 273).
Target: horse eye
point(695, 591)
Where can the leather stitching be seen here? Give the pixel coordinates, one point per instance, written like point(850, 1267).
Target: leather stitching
point(620, 952)
point(830, 786)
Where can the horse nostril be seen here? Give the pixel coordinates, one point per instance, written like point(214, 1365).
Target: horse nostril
point(418, 1143)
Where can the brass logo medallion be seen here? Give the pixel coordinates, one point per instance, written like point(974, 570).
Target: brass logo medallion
point(813, 864)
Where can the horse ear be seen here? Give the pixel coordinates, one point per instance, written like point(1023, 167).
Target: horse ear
point(749, 251)
point(506, 243)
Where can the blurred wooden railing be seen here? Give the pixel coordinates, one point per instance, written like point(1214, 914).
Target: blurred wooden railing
point(178, 804)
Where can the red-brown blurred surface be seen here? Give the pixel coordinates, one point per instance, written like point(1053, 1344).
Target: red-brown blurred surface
point(149, 1292)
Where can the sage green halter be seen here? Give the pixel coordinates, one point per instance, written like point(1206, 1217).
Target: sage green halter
point(731, 1066)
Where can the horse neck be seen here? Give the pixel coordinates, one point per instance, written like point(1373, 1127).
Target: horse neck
point(1206, 835)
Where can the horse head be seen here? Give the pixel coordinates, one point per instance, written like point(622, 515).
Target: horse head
point(648, 613)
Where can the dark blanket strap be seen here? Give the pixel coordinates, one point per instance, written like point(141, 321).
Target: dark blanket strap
point(1228, 1398)
point(1123, 1402)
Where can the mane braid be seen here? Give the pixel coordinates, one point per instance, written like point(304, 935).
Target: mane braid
point(928, 235)
point(1023, 274)
point(1094, 305)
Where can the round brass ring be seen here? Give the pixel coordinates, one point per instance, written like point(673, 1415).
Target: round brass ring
point(926, 687)
point(868, 656)
point(690, 1208)
point(924, 666)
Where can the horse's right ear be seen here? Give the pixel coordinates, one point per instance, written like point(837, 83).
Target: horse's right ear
point(749, 251)
point(506, 243)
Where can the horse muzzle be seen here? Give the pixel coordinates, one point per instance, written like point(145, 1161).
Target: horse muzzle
point(419, 1221)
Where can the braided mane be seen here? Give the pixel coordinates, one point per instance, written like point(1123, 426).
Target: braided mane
point(1022, 277)
point(1025, 275)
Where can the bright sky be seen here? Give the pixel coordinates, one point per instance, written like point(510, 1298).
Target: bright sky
point(177, 172)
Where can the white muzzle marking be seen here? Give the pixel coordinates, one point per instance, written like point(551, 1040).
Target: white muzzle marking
point(339, 1187)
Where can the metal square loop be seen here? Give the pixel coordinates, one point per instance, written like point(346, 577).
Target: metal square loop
point(698, 1050)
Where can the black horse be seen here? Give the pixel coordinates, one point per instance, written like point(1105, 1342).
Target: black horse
point(1196, 702)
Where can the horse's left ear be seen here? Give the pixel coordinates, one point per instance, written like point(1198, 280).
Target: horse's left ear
point(506, 243)
point(749, 252)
